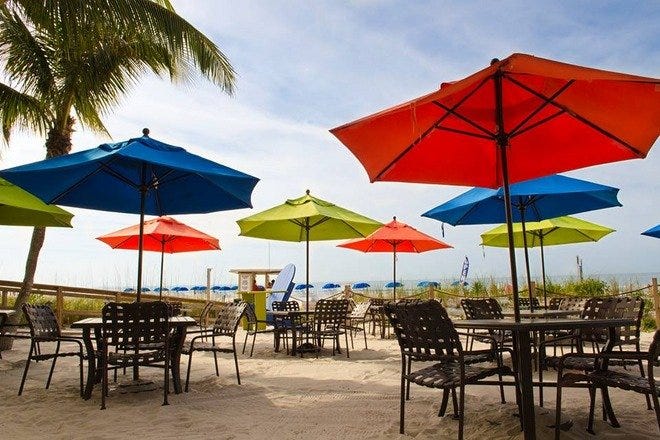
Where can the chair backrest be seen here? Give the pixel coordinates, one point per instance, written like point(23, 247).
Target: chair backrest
point(42, 321)
point(174, 307)
point(205, 312)
point(554, 303)
point(572, 303)
point(135, 324)
point(481, 308)
point(330, 313)
point(424, 330)
point(282, 286)
point(360, 310)
point(598, 308)
point(631, 308)
point(229, 316)
point(285, 306)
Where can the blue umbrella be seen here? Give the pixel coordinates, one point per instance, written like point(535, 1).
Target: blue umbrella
point(361, 285)
point(198, 288)
point(653, 232)
point(129, 289)
point(531, 200)
point(393, 284)
point(304, 286)
point(428, 283)
point(234, 287)
point(181, 289)
point(331, 286)
point(139, 176)
point(145, 289)
point(161, 289)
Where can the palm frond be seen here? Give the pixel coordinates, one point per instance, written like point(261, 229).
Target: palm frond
point(18, 108)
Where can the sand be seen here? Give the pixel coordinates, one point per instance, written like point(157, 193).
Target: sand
point(286, 398)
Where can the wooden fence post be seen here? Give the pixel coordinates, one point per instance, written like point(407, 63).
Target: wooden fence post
point(59, 304)
point(656, 300)
point(431, 292)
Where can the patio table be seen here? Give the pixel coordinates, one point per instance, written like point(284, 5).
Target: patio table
point(95, 326)
point(294, 315)
point(522, 350)
point(528, 314)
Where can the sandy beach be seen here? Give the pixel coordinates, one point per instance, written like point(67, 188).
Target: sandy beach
point(284, 397)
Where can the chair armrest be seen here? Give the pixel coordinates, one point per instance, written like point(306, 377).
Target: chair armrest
point(575, 338)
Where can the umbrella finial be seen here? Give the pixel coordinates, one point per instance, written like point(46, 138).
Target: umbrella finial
point(145, 132)
point(307, 192)
point(494, 60)
point(394, 217)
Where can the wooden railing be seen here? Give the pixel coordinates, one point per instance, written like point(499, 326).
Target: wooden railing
point(60, 294)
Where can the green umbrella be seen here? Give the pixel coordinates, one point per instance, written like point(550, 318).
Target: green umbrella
point(555, 231)
point(20, 208)
point(307, 218)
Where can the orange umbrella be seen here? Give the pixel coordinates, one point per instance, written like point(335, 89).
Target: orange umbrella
point(396, 237)
point(520, 118)
point(164, 235)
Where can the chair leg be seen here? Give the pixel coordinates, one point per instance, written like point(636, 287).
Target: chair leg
point(592, 409)
point(346, 338)
point(190, 355)
point(238, 376)
point(641, 372)
point(247, 333)
point(81, 372)
point(364, 333)
point(402, 404)
point(408, 382)
point(461, 411)
point(443, 402)
point(215, 359)
point(52, 366)
point(27, 366)
point(558, 406)
point(607, 407)
point(104, 375)
point(166, 378)
point(656, 406)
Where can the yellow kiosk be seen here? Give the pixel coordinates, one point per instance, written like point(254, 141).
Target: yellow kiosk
point(247, 288)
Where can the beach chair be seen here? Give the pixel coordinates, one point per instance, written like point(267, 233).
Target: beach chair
point(281, 289)
point(329, 317)
point(225, 326)
point(139, 333)
point(426, 334)
point(357, 321)
point(253, 325)
point(45, 329)
point(603, 377)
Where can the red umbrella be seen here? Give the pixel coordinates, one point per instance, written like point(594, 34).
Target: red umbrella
point(164, 235)
point(396, 237)
point(519, 118)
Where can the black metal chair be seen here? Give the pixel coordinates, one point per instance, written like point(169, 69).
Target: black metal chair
point(602, 377)
point(357, 321)
point(139, 333)
point(254, 326)
point(329, 318)
point(225, 326)
point(426, 333)
point(44, 328)
point(288, 327)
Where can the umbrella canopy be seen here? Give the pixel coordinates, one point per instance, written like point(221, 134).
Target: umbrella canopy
point(653, 232)
point(531, 200)
point(361, 285)
point(331, 286)
point(550, 232)
point(164, 235)
point(20, 208)
point(304, 286)
point(307, 218)
point(396, 237)
point(140, 176)
point(520, 118)
point(393, 285)
point(428, 283)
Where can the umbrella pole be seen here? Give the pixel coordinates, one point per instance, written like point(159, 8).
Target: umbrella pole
point(162, 261)
point(143, 197)
point(307, 264)
point(529, 277)
point(502, 144)
point(545, 292)
point(394, 273)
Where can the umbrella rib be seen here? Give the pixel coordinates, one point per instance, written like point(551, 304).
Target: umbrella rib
point(577, 115)
point(102, 167)
point(429, 130)
point(546, 101)
point(452, 110)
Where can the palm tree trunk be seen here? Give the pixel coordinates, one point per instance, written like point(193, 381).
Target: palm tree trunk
point(38, 237)
point(58, 143)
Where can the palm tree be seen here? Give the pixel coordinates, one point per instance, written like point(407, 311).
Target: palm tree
point(62, 58)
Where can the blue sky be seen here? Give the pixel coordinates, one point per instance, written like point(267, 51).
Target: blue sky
point(305, 67)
